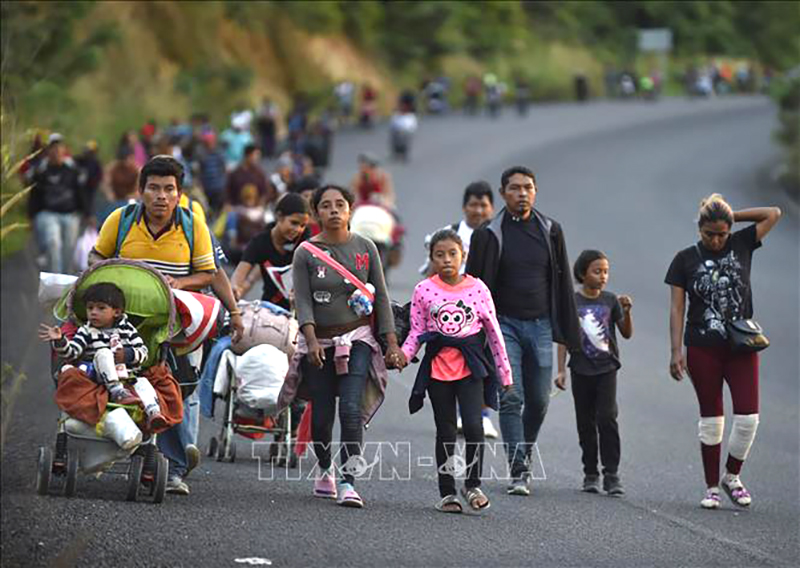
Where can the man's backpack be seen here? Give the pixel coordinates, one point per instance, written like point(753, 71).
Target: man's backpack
point(133, 211)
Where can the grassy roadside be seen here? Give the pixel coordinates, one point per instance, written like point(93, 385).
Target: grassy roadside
point(14, 228)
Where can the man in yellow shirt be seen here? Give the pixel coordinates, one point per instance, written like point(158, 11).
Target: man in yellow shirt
point(157, 236)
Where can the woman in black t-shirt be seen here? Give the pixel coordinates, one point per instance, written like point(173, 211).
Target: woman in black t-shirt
point(715, 275)
point(273, 250)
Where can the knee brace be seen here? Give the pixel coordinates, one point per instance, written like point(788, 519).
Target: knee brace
point(742, 435)
point(710, 429)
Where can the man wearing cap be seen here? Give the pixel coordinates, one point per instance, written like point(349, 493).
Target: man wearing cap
point(235, 138)
point(56, 204)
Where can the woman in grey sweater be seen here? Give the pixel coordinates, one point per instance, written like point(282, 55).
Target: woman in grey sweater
point(338, 354)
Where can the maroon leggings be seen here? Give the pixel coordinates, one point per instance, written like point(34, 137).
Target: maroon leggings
point(708, 368)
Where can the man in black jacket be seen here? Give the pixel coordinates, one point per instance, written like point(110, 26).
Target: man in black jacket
point(522, 257)
point(56, 205)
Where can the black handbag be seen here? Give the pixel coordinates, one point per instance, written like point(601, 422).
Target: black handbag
point(746, 336)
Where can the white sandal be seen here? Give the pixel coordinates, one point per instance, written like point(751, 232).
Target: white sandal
point(711, 500)
point(736, 490)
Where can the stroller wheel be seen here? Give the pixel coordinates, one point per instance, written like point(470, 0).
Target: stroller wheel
point(212, 447)
point(134, 477)
point(160, 485)
point(71, 485)
point(43, 470)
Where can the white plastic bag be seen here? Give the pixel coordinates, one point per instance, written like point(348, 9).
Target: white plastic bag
point(52, 287)
point(259, 376)
point(373, 222)
point(119, 427)
point(83, 247)
point(222, 379)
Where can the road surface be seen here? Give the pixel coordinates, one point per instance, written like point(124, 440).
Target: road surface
point(624, 178)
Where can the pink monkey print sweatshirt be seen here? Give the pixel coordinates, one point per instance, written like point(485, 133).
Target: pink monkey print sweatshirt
point(455, 311)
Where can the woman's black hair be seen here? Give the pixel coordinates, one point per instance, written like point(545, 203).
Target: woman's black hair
point(346, 193)
point(445, 235)
point(290, 204)
point(585, 259)
point(163, 166)
point(714, 208)
point(107, 293)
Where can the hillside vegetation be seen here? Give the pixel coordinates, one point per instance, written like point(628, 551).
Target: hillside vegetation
point(92, 69)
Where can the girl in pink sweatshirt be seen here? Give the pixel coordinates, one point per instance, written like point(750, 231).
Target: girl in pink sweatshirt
point(454, 315)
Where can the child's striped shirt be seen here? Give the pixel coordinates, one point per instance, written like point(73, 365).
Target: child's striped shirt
point(88, 340)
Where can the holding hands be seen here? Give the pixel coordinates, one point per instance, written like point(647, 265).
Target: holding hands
point(395, 358)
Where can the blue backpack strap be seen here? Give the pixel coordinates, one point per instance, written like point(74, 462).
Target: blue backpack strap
point(126, 220)
point(186, 219)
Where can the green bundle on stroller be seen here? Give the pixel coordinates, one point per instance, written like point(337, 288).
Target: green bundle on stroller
point(150, 307)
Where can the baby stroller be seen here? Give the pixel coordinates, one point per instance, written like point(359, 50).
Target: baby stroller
point(79, 448)
point(249, 378)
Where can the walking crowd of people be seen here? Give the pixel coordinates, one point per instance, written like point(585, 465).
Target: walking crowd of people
point(498, 291)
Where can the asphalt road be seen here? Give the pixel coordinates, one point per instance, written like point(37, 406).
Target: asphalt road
point(625, 178)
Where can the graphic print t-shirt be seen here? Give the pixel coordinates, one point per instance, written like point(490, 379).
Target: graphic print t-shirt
point(718, 286)
point(275, 265)
point(598, 318)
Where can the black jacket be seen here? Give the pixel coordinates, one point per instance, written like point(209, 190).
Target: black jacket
point(483, 262)
point(479, 360)
point(57, 188)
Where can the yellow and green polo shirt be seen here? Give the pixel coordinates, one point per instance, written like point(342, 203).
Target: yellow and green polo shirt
point(169, 253)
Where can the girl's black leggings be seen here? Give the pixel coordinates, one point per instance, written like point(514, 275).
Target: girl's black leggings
point(469, 394)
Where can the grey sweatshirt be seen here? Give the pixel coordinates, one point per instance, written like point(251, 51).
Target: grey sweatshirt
point(321, 294)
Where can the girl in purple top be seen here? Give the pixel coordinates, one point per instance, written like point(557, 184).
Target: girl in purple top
point(450, 311)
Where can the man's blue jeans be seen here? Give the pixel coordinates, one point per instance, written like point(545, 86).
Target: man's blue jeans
point(172, 444)
point(57, 235)
point(529, 344)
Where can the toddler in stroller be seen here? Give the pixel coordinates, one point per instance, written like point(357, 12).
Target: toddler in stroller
point(95, 433)
point(106, 345)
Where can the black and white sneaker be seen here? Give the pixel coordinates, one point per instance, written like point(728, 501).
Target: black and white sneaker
point(520, 486)
point(612, 485)
point(591, 483)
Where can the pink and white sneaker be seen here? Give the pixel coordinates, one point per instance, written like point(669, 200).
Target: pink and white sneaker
point(325, 486)
point(348, 497)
